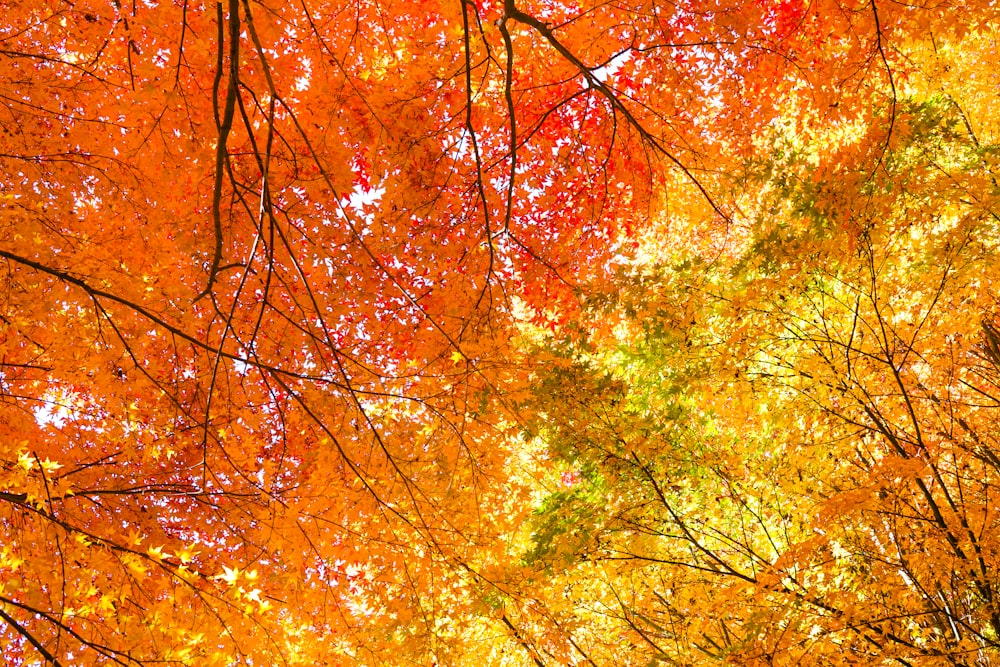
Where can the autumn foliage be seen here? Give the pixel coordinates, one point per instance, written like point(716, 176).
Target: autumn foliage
point(501, 333)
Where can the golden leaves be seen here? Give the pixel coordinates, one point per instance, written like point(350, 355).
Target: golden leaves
point(747, 410)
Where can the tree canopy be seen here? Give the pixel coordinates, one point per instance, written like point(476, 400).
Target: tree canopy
point(508, 333)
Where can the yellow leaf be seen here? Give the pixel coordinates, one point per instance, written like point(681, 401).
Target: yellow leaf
point(230, 576)
point(186, 554)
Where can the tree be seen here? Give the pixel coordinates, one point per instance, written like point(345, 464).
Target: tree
point(308, 307)
point(790, 447)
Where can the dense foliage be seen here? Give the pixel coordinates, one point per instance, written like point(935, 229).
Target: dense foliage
point(520, 333)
